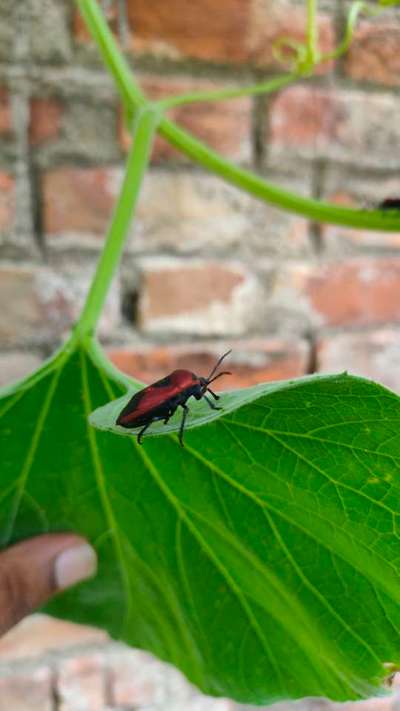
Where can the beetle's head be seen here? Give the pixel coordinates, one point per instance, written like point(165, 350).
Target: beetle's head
point(205, 382)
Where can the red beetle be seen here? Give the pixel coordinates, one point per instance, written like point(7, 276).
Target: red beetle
point(390, 203)
point(160, 400)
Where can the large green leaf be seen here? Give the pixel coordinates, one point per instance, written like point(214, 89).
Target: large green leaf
point(262, 559)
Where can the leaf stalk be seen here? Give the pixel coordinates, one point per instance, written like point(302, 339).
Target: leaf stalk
point(145, 127)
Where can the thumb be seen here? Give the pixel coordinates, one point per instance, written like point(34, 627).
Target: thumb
point(34, 570)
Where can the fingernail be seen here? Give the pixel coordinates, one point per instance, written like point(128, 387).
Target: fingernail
point(73, 565)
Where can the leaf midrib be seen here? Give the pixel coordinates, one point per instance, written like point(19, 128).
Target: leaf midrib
point(217, 563)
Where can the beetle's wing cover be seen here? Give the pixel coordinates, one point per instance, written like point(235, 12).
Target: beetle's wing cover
point(148, 400)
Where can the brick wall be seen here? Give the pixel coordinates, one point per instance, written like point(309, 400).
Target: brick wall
point(206, 267)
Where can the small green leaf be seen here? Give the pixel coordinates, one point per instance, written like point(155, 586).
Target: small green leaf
point(104, 418)
point(262, 559)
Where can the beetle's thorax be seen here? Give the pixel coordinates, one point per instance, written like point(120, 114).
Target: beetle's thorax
point(183, 378)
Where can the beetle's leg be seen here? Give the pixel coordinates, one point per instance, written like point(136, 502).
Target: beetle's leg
point(182, 427)
point(216, 397)
point(211, 404)
point(142, 431)
point(170, 412)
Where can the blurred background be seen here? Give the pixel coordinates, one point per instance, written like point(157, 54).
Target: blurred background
point(206, 267)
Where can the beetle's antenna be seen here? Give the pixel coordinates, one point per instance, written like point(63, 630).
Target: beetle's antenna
point(216, 366)
point(224, 372)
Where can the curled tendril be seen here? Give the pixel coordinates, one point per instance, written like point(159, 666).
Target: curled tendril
point(304, 56)
point(297, 60)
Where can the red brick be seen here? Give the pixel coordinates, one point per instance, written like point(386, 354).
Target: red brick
point(355, 292)
point(40, 634)
point(207, 30)
point(7, 201)
point(5, 112)
point(305, 116)
point(208, 298)
point(373, 354)
point(251, 362)
point(28, 690)
point(78, 199)
point(374, 53)
point(225, 126)
point(81, 683)
point(45, 120)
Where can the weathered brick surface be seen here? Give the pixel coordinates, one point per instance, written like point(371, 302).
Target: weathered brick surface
point(373, 354)
point(343, 187)
point(78, 199)
point(207, 703)
point(225, 126)
point(6, 126)
point(187, 212)
point(42, 303)
point(40, 634)
point(374, 54)
point(27, 690)
point(7, 201)
point(304, 116)
point(81, 683)
point(251, 361)
point(74, 282)
point(338, 124)
point(15, 365)
point(138, 679)
point(359, 291)
point(27, 309)
point(181, 211)
point(45, 120)
point(49, 31)
point(7, 32)
point(201, 297)
point(73, 130)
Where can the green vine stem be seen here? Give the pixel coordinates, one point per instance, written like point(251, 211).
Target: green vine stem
point(266, 87)
point(268, 192)
point(246, 180)
point(355, 11)
point(146, 122)
point(119, 68)
point(312, 32)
